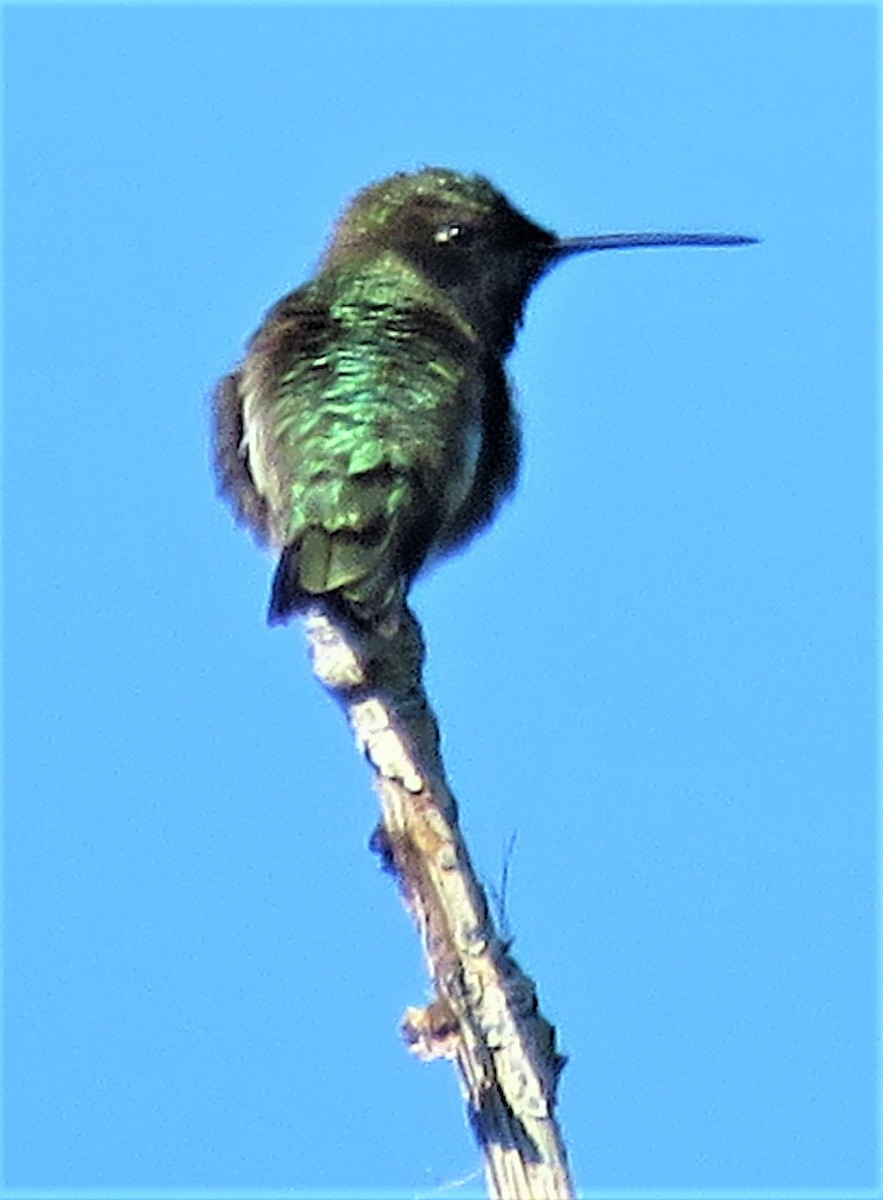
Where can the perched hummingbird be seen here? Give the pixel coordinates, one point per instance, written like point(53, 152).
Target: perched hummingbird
point(369, 427)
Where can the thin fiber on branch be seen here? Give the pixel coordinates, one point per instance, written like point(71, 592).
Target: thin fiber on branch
point(484, 1015)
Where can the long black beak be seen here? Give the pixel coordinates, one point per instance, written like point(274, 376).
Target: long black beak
point(640, 241)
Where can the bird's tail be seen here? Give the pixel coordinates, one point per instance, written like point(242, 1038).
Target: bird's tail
point(342, 571)
point(287, 595)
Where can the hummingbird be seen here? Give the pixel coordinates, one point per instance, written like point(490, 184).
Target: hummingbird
point(369, 428)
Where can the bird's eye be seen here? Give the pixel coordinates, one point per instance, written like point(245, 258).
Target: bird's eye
point(454, 233)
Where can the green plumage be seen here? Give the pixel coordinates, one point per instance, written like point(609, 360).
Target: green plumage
point(369, 425)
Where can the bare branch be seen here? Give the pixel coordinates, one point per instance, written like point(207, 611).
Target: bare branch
point(485, 1015)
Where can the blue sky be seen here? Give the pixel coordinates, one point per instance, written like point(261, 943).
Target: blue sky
point(656, 670)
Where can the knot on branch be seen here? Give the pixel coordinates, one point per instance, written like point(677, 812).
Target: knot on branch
point(432, 1032)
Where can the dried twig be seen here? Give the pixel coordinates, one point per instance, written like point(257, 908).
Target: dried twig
point(484, 1016)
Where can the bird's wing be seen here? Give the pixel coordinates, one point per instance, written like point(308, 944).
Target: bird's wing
point(251, 466)
point(232, 471)
point(342, 432)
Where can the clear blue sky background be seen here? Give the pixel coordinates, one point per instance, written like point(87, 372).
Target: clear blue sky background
point(656, 669)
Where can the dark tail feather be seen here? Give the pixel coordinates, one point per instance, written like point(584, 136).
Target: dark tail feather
point(313, 573)
point(287, 597)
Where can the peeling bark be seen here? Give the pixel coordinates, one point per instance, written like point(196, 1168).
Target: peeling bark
point(485, 1016)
